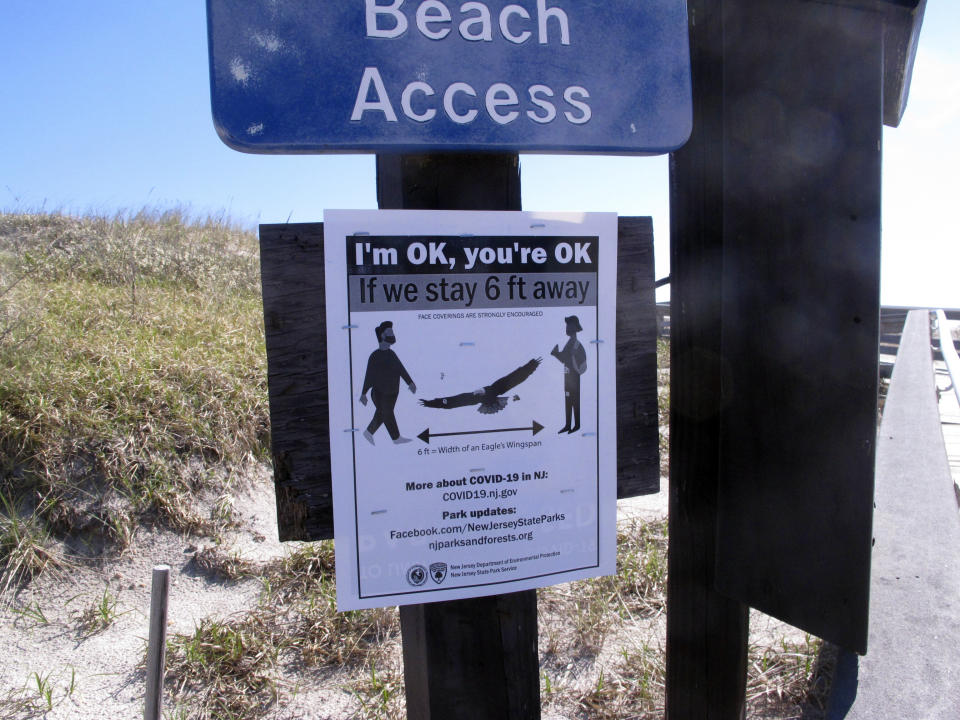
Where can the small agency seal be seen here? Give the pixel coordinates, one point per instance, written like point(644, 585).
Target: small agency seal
point(438, 571)
point(417, 575)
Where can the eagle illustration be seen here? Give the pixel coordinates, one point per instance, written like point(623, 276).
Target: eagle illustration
point(489, 397)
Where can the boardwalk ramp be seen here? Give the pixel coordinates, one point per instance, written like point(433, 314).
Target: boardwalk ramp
point(912, 665)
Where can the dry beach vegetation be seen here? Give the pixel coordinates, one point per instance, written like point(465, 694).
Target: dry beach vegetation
point(134, 429)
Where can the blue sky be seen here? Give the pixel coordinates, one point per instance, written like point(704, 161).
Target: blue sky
point(106, 108)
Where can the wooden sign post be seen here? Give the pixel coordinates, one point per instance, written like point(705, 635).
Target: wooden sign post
point(775, 248)
point(706, 632)
point(473, 658)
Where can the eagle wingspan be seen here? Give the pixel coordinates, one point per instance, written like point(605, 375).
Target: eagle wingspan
point(453, 401)
point(489, 393)
point(511, 380)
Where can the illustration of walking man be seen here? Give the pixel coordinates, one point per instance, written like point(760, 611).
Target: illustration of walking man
point(574, 359)
point(382, 379)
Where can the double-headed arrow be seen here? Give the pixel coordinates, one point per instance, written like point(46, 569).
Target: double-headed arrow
point(426, 434)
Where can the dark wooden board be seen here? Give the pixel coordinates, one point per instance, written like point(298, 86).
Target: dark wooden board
point(295, 326)
point(291, 262)
point(472, 659)
point(638, 438)
point(902, 20)
point(901, 38)
point(706, 631)
point(803, 88)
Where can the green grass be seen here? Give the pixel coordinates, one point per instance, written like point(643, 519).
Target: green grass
point(226, 669)
point(26, 548)
point(633, 688)
point(785, 675)
point(380, 695)
point(100, 613)
point(41, 693)
point(132, 373)
point(33, 614)
point(235, 668)
point(637, 590)
point(783, 681)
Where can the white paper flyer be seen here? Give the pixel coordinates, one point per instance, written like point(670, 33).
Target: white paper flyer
point(471, 375)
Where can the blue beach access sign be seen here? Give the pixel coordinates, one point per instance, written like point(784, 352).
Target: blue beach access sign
point(315, 76)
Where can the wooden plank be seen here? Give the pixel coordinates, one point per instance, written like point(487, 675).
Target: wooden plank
point(803, 88)
point(295, 327)
point(470, 659)
point(900, 41)
point(638, 432)
point(902, 20)
point(706, 632)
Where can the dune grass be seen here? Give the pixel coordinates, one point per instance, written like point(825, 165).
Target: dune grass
point(132, 376)
point(249, 665)
point(241, 667)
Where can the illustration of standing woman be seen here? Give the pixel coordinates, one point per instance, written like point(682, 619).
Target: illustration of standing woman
point(574, 359)
point(384, 371)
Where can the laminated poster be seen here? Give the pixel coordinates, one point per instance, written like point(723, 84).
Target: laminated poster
point(472, 419)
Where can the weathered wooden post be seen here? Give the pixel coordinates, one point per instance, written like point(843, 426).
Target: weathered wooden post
point(396, 79)
point(476, 658)
point(775, 208)
point(706, 631)
point(465, 658)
